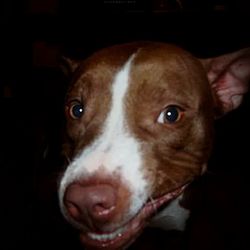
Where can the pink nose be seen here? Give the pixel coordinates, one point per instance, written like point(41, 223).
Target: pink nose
point(91, 204)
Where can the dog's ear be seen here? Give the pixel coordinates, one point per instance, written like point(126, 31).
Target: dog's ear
point(68, 65)
point(229, 76)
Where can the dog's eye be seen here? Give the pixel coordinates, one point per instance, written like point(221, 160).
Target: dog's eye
point(76, 109)
point(171, 114)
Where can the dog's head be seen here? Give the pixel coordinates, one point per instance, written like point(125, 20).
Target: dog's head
point(139, 129)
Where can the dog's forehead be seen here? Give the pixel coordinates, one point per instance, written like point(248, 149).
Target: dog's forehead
point(171, 70)
point(155, 66)
point(151, 60)
point(145, 53)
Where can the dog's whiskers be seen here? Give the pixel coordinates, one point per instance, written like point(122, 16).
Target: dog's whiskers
point(67, 159)
point(172, 180)
point(153, 203)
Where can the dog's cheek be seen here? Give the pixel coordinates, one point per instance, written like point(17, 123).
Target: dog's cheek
point(157, 170)
point(170, 166)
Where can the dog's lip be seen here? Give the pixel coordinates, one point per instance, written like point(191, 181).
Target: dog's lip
point(127, 233)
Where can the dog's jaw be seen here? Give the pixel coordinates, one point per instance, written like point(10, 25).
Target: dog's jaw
point(123, 236)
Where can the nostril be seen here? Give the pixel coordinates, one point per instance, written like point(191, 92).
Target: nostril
point(101, 210)
point(73, 210)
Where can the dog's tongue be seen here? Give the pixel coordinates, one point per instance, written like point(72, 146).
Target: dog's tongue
point(125, 235)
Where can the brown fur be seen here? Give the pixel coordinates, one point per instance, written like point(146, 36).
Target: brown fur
point(91, 85)
point(174, 153)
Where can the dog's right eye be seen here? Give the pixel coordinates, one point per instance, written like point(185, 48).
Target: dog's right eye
point(75, 109)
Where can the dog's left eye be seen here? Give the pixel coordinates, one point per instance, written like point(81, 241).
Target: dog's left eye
point(171, 114)
point(76, 109)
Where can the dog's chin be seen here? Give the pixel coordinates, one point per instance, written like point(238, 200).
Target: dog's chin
point(124, 236)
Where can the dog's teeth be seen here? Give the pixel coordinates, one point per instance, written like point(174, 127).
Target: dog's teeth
point(110, 236)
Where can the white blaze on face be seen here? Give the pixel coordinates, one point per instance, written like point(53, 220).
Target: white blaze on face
point(115, 150)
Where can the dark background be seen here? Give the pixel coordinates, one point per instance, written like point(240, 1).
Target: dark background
point(33, 35)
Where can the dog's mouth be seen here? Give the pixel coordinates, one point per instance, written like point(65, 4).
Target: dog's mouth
point(126, 234)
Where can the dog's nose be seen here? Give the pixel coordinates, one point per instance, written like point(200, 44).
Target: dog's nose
point(91, 204)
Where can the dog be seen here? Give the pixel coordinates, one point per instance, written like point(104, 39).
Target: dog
point(139, 130)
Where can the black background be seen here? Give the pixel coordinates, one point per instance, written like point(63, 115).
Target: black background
point(32, 37)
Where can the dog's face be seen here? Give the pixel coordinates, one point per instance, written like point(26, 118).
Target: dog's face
point(139, 129)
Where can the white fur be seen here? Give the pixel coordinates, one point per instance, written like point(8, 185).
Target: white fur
point(173, 217)
point(115, 150)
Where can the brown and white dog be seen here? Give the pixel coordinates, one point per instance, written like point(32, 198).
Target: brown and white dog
point(139, 130)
